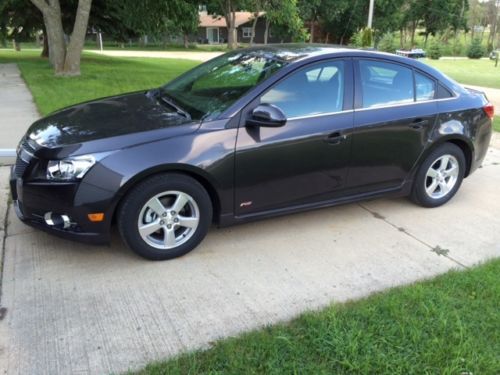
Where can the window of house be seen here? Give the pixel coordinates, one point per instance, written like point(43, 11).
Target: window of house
point(385, 83)
point(247, 32)
point(314, 90)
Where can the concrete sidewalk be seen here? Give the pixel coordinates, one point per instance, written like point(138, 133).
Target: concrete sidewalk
point(72, 308)
point(17, 110)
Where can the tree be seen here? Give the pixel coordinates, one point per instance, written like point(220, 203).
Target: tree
point(492, 20)
point(65, 58)
point(284, 16)
point(184, 15)
point(3, 29)
point(227, 8)
point(310, 11)
point(475, 50)
point(434, 51)
point(386, 43)
point(20, 21)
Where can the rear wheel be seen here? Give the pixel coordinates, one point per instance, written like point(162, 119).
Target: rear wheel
point(440, 176)
point(165, 216)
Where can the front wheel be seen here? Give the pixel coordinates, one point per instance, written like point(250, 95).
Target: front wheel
point(165, 216)
point(440, 176)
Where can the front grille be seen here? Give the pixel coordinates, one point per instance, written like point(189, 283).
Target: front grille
point(24, 157)
point(27, 146)
point(20, 167)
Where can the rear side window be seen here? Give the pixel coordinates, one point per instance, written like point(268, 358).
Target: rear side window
point(314, 90)
point(385, 83)
point(443, 92)
point(424, 87)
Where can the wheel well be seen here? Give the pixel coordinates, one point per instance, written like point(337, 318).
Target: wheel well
point(214, 197)
point(467, 153)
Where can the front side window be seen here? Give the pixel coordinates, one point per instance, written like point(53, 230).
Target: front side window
point(385, 84)
point(209, 89)
point(314, 90)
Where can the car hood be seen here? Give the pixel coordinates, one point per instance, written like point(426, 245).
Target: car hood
point(107, 124)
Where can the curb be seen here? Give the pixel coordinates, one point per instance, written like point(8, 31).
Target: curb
point(7, 156)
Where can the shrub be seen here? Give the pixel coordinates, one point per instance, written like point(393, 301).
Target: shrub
point(366, 37)
point(386, 43)
point(475, 50)
point(363, 38)
point(434, 51)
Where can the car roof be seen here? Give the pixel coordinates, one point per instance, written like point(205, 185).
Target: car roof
point(295, 53)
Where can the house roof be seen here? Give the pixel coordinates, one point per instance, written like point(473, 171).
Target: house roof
point(209, 20)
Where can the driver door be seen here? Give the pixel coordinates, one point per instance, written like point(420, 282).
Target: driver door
point(307, 159)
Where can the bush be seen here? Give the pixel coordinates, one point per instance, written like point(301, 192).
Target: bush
point(386, 43)
point(434, 51)
point(356, 39)
point(366, 37)
point(475, 50)
point(363, 38)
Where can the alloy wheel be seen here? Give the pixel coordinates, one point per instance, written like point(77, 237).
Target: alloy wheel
point(168, 220)
point(442, 176)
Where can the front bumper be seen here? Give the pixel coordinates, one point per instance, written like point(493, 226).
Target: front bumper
point(35, 198)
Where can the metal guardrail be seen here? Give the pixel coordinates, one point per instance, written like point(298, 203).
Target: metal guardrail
point(7, 156)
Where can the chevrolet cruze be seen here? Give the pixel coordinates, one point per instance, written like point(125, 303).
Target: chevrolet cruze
point(253, 133)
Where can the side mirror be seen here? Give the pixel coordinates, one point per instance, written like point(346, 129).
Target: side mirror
point(267, 115)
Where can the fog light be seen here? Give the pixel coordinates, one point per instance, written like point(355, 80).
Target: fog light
point(57, 221)
point(96, 217)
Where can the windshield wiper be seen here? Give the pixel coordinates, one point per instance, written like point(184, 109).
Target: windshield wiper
point(170, 101)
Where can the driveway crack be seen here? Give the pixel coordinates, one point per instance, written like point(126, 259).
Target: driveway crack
point(435, 249)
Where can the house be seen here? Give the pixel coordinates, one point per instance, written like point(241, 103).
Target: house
point(212, 29)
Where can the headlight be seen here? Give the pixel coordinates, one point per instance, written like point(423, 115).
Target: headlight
point(70, 169)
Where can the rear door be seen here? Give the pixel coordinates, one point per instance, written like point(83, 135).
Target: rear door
point(395, 111)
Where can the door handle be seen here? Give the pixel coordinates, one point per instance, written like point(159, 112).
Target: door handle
point(335, 138)
point(418, 124)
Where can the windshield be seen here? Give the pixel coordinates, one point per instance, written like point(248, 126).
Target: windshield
point(210, 88)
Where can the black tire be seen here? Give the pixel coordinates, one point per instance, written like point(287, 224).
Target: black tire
point(133, 203)
point(419, 194)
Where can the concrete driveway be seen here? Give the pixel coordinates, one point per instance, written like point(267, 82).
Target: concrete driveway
point(71, 308)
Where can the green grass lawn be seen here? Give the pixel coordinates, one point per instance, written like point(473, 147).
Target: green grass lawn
point(101, 76)
point(449, 325)
point(473, 72)
point(496, 123)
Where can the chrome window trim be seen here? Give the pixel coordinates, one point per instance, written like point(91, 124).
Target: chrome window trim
point(319, 115)
point(405, 104)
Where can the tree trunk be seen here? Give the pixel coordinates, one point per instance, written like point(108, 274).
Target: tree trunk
point(254, 25)
point(3, 34)
point(77, 40)
point(231, 37)
point(55, 37)
point(186, 41)
point(311, 30)
point(45, 49)
point(413, 29)
point(64, 59)
point(266, 32)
